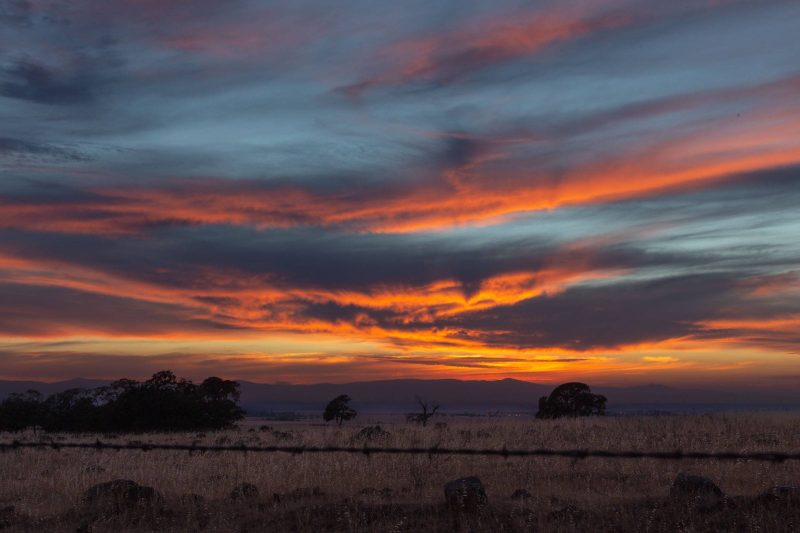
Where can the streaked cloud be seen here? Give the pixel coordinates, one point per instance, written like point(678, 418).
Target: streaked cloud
point(601, 189)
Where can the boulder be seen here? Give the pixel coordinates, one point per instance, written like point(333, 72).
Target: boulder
point(781, 495)
point(244, 491)
point(465, 494)
point(521, 495)
point(695, 490)
point(121, 496)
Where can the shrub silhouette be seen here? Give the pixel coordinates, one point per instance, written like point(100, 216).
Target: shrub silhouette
point(571, 400)
point(428, 410)
point(339, 410)
point(162, 403)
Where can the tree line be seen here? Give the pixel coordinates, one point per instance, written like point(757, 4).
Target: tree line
point(566, 401)
point(162, 403)
point(168, 403)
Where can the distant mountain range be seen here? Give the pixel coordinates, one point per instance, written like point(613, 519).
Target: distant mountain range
point(457, 396)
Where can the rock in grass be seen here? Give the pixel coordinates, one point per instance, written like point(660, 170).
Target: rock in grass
point(695, 490)
point(121, 495)
point(520, 495)
point(244, 491)
point(466, 494)
point(781, 495)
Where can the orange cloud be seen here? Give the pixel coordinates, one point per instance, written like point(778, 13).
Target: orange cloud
point(258, 302)
point(483, 191)
point(766, 286)
point(478, 44)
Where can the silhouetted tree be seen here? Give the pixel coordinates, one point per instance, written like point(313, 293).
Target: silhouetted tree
point(428, 410)
point(571, 400)
point(71, 410)
point(162, 403)
point(220, 399)
point(339, 410)
point(166, 402)
point(21, 410)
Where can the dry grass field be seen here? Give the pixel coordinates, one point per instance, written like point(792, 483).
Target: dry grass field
point(42, 490)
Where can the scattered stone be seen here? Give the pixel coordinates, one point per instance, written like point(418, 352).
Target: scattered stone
point(466, 494)
point(371, 433)
point(696, 490)
point(120, 496)
point(244, 491)
point(781, 494)
point(521, 494)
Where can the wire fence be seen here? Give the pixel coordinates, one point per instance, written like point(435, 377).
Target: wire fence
point(775, 457)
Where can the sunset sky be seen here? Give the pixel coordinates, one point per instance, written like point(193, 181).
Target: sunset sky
point(307, 191)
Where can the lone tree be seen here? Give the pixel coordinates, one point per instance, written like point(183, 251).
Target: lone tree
point(571, 400)
point(339, 410)
point(428, 410)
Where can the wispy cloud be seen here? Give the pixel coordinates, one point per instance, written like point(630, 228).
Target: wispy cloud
point(476, 189)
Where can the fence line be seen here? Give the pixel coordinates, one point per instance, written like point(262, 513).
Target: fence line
point(775, 457)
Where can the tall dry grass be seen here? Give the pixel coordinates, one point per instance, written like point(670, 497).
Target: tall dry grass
point(43, 485)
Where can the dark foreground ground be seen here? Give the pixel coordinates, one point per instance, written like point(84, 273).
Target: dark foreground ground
point(131, 490)
point(304, 512)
